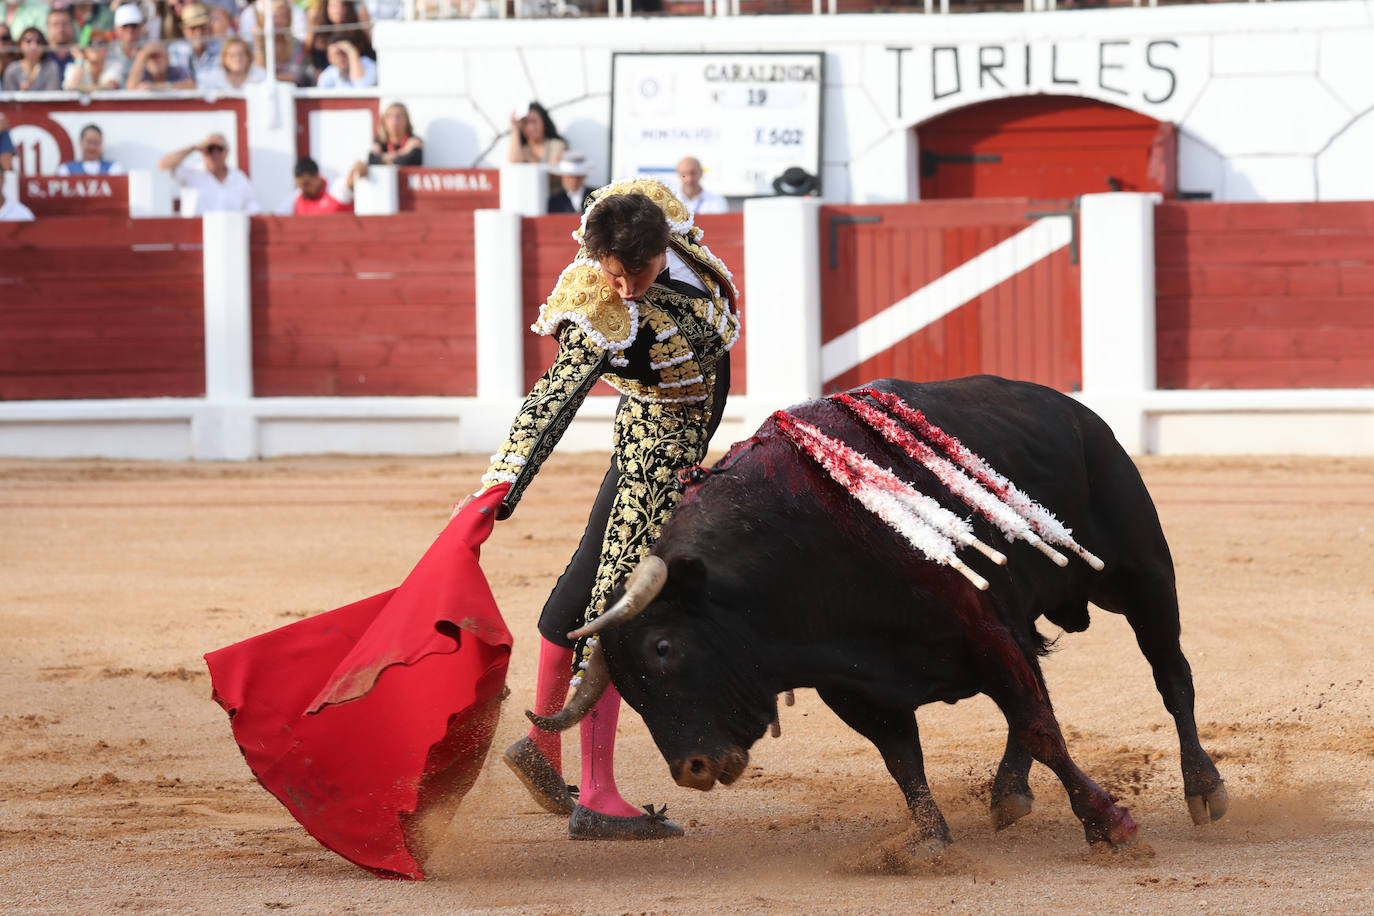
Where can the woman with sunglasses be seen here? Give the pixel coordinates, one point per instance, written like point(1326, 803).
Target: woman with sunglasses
point(35, 70)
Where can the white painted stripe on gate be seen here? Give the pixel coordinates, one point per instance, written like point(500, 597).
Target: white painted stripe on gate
point(946, 293)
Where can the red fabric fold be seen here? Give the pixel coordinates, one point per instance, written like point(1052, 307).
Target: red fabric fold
point(371, 721)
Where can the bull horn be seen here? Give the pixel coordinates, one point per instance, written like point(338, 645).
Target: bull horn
point(643, 586)
point(595, 678)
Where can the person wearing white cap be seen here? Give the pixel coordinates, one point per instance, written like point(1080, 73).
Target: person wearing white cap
point(128, 20)
point(572, 172)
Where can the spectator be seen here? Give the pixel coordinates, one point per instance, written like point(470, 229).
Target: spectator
point(572, 172)
point(119, 57)
point(533, 138)
point(378, 10)
point(396, 143)
point(35, 70)
point(9, 48)
point(347, 68)
point(197, 52)
point(6, 147)
point(292, 65)
point(91, 19)
point(235, 69)
point(61, 36)
point(12, 211)
point(217, 187)
point(221, 23)
point(250, 19)
point(83, 74)
point(151, 70)
point(331, 21)
point(697, 198)
point(29, 14)
point(313, 196)
point(92, 161)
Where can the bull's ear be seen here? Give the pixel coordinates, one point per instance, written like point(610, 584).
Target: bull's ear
point(687, 575)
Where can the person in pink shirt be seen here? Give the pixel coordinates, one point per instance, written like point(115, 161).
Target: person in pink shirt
point(314, 196)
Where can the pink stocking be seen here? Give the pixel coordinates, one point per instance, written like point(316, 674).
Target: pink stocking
point(550, 691)
point(598, 758)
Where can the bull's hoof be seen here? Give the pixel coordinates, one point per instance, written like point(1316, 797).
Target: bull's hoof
point(1207, 808)
point(1120, 830)
point(1009, 809)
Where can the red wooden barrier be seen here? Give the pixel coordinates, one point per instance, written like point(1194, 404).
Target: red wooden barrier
point(101, 307)
point(363, 306)
point(85, 195)
point(1260, 295)
point(449, 189)
point(1026, 327)
point(548, 248)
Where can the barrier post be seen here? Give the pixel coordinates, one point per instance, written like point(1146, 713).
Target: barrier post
point(498, 265)
point(782, 303)
point(150, 193)
point(225, 428)
point(379, 192)
point(525, 188)
point(1118, 310)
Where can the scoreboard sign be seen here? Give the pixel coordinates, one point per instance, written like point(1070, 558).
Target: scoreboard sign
point(747, 116)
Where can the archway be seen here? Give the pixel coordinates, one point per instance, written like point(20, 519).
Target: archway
point(1044, 146)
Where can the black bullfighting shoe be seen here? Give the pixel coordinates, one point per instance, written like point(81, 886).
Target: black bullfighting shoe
point(539, 776)
point(586, 824)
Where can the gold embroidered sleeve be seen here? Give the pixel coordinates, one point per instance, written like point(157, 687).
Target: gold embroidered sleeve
point(545, 415)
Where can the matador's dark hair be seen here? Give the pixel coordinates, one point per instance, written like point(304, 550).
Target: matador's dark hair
point(629, 226)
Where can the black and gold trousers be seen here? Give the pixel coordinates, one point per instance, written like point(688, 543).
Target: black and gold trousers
point(652, 443)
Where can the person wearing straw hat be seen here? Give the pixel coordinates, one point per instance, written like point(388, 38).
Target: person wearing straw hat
point(647, 308)
point(572, 171)
point(197, 51)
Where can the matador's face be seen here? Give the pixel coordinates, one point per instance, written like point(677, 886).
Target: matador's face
point(627, 284)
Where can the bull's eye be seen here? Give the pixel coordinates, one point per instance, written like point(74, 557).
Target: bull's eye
point(662, 648)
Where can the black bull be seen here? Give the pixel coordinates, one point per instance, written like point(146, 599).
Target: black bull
point(777, 578)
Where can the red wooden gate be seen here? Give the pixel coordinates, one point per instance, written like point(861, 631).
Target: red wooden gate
point(1045, 146)
point(939, 290)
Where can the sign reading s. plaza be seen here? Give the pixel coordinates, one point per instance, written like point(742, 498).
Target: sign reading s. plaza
point(1160, 76)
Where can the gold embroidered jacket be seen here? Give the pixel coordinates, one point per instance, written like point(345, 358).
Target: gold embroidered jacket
point(661, 349)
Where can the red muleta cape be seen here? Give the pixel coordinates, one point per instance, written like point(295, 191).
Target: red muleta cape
point(366, 720)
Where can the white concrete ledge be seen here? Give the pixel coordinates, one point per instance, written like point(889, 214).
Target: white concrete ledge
point(180, 429)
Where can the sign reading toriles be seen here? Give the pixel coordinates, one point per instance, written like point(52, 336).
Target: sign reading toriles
point(1154, 75)
point(747, 116)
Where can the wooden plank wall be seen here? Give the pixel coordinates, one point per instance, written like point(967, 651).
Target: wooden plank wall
point(548, 248)
point(344, 305)
point(101, 307)
point(1261, 295)
point(1027, 327)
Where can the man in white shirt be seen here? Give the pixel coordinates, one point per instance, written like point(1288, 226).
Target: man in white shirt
point(217, 187)
point(12, 211)
point(697, 198)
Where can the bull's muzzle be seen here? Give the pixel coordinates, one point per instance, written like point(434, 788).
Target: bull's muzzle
point(702, 772)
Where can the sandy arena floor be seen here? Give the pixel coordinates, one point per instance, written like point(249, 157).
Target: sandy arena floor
point(123, 790)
